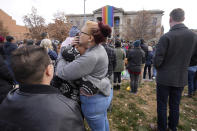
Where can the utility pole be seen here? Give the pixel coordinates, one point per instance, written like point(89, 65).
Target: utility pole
point(84, 11)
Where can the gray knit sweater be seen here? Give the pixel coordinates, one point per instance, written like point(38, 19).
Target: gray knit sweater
point(93, 66)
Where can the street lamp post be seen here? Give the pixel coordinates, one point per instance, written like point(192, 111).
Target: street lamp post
point(84, 11)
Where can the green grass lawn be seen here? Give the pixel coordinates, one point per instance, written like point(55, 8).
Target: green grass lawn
point(136, 112)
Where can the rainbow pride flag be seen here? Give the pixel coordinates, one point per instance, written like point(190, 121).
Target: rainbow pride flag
point(108, 15)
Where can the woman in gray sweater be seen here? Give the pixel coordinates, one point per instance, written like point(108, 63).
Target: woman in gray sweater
point(91, 66)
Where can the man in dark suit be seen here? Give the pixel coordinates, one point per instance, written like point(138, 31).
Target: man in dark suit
point(175, 51)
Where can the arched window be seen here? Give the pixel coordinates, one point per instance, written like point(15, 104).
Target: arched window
point(154, 20)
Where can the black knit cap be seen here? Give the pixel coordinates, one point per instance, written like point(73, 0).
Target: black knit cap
point(9, 38)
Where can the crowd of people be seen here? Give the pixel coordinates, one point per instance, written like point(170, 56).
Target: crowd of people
point(49, 85)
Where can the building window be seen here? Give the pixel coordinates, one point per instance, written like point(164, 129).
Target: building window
point(116, 21)
point(128, 21)
point(99, 19)
point(77, 22)
point(154, 21)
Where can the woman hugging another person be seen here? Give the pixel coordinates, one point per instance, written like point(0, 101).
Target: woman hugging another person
point(89, 69)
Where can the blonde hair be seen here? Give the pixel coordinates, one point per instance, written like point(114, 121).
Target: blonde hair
point(47, 44)
point(91, 26)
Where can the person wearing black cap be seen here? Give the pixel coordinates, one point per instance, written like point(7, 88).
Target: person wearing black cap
point(6, 79)
point(9, 47)
point(44, 35)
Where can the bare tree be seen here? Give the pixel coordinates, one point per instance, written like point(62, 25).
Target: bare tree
point(60, 16)
point(143, 26)
point(35, 23)
point(3, 31)
point(60, 28)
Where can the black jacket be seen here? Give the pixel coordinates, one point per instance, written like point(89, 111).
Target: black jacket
point(174, 52)
point(40, 108)
point(136, 57)
point(144, 47)
point(9, 48)
point(1, 49)
point(38, 43)
point(6, 79)
point(149, 58)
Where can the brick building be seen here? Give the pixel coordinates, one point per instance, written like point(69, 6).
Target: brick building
point(17, 31)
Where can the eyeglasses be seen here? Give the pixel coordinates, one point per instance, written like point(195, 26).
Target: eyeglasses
point(84, 33)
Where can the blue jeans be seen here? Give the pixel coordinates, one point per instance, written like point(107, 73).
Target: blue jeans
point(94, 109)
point(174, 94)
point(154, 72)
point(191, 82)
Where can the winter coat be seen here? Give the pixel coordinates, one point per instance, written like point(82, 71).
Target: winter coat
point(9, 48)
point(175, 51)
point(144, 47)
point(120, 56)
point(136, 57)
point(1, 49)
point(112, 59)
point(52, 54)
point(6, 79)
point(149, 58)
point(40, 108)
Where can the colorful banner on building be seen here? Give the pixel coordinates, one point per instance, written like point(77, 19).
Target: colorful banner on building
point(108, 15)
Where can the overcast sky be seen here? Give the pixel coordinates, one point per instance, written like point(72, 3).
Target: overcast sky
point(47, 8)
